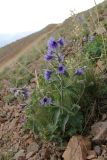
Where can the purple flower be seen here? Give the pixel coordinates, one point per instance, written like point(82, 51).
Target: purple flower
point(48, 57)
point(61, 69)
point(45, 101)
point(79, 71)
point(61, 41)
point(47, 74)
point(52, 44)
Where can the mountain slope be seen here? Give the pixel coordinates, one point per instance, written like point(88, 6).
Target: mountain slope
point(6, 39)
point(70, 28)
point(16, 49)
point(83, 93)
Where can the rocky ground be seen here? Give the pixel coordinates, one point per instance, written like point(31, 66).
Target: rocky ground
point(93, 147)
point(16, 144)
point(24, 146)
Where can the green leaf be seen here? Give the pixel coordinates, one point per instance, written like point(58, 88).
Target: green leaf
point(75, 108)
point(56, 116)
point(65, 122)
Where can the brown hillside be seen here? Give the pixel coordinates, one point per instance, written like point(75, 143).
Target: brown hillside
point(70, 28)
point(15, 49)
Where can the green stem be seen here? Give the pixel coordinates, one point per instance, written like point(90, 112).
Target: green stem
point(62, 92)
point(64, 108)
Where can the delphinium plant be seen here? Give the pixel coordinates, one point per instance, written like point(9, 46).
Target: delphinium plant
point(54, 110)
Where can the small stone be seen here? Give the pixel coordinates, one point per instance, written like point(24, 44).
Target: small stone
point(45, 154)
point(53, 157)
point(104, 152)
point(104, 117)
point(99, 132)
point(19, 155)
point(77, 149)
point(29, 141)
point(36, 137)
point(37, 156)
point(32, 85)
point(101, 158)
point(33, 147)
point(16, 114)
point(13, 124)
point(15, 147)
point(30, 154)
point(97, 149)
point(2, 120)
point(91, 154)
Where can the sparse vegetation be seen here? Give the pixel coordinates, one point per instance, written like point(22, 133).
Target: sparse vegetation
point(66, 92)
point(81, 87)
point(95, 47)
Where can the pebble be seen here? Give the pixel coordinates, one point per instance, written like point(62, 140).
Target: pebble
point(97, 149)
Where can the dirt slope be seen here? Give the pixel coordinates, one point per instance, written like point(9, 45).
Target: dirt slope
point(67, 30)
point(13, 51)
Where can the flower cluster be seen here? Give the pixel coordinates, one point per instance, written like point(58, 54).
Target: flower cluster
point(57, 58)
point(54, 54)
